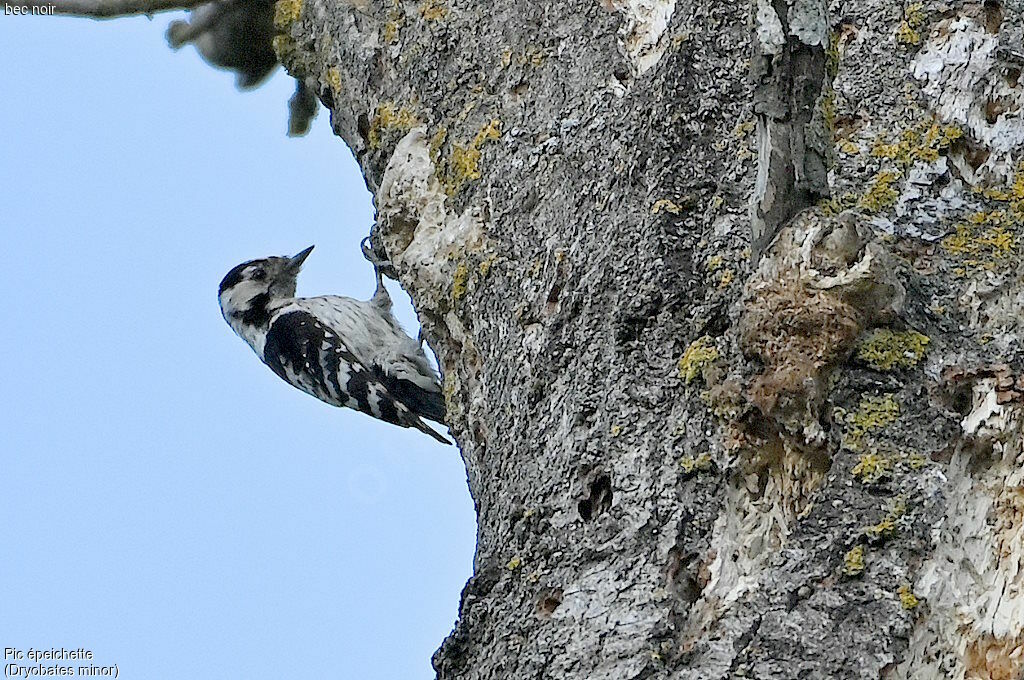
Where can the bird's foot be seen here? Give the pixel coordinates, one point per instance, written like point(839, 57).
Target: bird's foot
point(380, 295)
point(369, 253)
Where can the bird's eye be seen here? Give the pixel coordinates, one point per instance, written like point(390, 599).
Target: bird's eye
point(259, 274)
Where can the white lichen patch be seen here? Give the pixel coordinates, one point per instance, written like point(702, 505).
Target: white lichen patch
point(925, 211)
point(808, 22)
point(806, 19)
point(423, 239)
point(967, 85)
point(359, 35)
point(643, 32)
point(974, 581)
point(768, 28)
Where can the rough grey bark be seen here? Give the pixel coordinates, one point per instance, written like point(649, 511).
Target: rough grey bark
point(683, 467)
point(686, 465)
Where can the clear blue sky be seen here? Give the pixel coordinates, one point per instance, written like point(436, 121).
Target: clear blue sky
point(166, 501)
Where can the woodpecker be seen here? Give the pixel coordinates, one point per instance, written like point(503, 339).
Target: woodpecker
point(342, 351)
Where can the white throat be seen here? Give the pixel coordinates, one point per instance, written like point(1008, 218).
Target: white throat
point(255, 336)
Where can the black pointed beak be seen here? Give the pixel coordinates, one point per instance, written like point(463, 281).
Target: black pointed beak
point(295, 263)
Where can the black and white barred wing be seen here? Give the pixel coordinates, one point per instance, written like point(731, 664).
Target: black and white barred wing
point(314, 358)
point(378, 342)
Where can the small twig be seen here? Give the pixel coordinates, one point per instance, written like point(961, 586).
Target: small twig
point(110, 9)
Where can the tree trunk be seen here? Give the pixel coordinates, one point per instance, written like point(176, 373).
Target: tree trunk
point(686, 465)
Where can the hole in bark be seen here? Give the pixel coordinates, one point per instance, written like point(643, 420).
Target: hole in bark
point(599, 500)
point(548, 601)
point(637, 316)
point(993, 15)
point(363, 126)
point(681, 576)
point(759, 426)
point(553, 294)
point(962, 399)
point(521, 89)
point(1013, 76)
point(956, 391)
point(630, 330)
point(718, 324)
point(536, 392)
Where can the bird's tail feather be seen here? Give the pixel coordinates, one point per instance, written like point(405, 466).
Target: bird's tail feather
point(423, 427)
point(425, 403)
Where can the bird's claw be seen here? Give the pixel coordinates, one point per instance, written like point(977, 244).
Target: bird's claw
point(380, 295)
point(368, 253)
point(380, 264)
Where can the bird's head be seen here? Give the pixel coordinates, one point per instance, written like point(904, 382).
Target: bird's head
point(248, 289)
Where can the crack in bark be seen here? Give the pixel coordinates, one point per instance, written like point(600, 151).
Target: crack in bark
point(789, 76)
